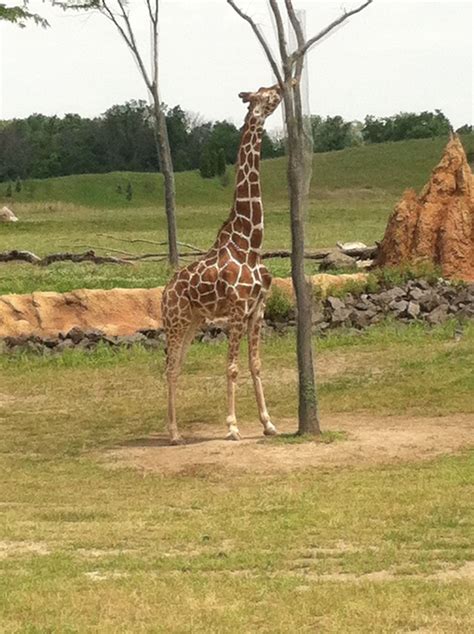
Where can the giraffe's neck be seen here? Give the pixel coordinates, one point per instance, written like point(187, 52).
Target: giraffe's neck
point(245, 224)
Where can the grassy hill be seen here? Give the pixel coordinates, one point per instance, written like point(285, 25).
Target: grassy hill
point(389, 166)
point(353, 192)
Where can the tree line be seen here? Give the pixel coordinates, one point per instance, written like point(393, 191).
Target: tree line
point(123, 139)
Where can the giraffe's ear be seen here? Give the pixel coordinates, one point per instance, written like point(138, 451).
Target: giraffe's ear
point(245, 96)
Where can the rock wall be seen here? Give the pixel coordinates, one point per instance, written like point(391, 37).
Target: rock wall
point(417, 300)
point(438, 225)
point(117, 312)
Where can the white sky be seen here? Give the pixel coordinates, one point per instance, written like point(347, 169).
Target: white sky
point(405, 55)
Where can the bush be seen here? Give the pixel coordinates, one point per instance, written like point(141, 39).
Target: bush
point(390, 276)
point(279, 306)
point(208, 163)
point(221, 163)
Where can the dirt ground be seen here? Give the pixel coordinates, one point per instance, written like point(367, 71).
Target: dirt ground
point(369, 440)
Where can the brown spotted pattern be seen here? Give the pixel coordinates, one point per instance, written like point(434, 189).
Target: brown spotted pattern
point(230, 281)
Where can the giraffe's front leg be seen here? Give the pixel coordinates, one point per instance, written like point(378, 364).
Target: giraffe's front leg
point(236, 332)
point(254, 327)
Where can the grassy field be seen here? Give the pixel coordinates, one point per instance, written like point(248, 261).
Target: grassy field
point(376, 549)
point(89, 548)
point(353, 192)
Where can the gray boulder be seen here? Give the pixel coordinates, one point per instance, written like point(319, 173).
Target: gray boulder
point(337, 260)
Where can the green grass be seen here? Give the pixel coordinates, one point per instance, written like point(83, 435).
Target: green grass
point(87, 549)
point(113, 395)
point(353, 192)
point(388, 167)
point(84, 548)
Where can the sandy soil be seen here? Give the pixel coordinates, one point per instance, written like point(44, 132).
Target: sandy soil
point(370, 439)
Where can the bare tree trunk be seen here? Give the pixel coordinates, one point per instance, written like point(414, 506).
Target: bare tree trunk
point(299, 175)
point(166, 168)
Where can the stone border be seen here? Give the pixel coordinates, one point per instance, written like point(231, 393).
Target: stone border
point(417, 300)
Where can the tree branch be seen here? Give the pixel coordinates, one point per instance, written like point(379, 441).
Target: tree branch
point(128, 38)
point(297, 28)
point(262, 41)
point(301, 50)
point(281, 37)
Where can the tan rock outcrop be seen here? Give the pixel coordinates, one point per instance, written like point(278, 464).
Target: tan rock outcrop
point(115, 312)
point(438, 225)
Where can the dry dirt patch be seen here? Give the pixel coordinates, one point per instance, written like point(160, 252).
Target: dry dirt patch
point(370, 439)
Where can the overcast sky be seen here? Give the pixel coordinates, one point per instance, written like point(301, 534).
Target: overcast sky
point(407, 55)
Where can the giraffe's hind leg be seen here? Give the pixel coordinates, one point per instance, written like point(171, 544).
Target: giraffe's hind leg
point(236, 331)
point(178, 337)
point(254, 328)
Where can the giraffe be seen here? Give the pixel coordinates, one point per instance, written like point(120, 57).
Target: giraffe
point(230, 280)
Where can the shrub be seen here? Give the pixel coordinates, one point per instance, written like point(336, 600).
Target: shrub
point(221, 163)
point(279, 306)
point(398, 275)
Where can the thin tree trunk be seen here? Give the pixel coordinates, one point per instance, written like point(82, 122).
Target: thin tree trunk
point(298, 182)
point(166, 168)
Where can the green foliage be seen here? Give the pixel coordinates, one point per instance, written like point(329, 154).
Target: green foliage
point(208, 164)
point(331, 133)
point(398, 275)
point(122, 139)
point(406, 125)
point(18, 186)
point(129, 192)
point(385, 169)
point(221, 162)
point(279, 306)
point(19, 15)
point(8, 191)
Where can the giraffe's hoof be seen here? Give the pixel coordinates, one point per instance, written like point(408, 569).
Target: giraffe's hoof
point(178, 440)
point(270, 430)
point(233, 434)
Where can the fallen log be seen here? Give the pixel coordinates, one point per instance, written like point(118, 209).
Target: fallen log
point(87, 256)
point(366, 253)
point(315, 255)
point(21, 256)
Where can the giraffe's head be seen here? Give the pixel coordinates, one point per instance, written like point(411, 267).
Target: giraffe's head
point(264, 101)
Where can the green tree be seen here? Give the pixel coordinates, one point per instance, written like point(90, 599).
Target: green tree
point(8, 191)
point(208, 164)
point(18, 185)
point(465, 129)
point(406, 125)
point(20, 15)
point(331, 133)
point(225, 135)
point(221, 163)
point(177, 124)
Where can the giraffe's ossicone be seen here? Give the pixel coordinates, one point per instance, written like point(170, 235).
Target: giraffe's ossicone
point(229, 281)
